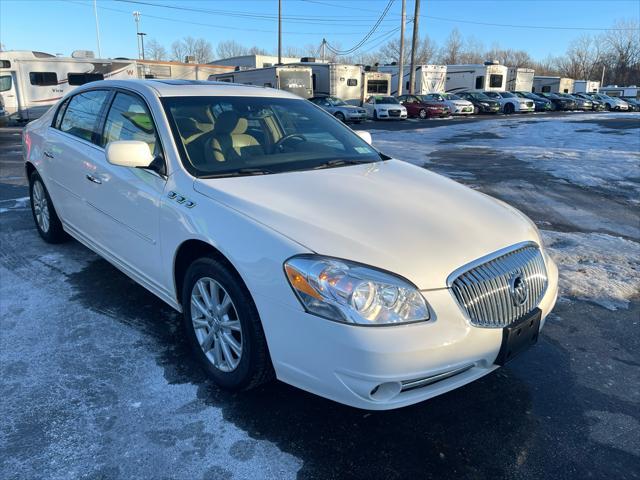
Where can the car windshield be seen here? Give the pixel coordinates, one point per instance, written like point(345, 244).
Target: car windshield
point(479, 96)
point(507, 95)
point(335, 101)
point(384, 100)
point(233, 136)
point(434, 96)
point(451, 96)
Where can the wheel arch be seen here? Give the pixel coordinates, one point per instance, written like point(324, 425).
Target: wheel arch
point(189, 251)
point(29, 168)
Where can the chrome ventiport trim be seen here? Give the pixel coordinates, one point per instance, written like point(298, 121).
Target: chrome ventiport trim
point(423, 382)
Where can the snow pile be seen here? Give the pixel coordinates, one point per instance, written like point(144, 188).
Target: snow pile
point(597, 267)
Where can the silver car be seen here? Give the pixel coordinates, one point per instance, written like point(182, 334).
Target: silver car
point(341, 110)
point(581, 102)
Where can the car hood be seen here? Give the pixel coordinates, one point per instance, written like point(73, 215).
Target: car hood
point(391, 215)
point(462, 103)
point(389, 105)
point(351, 108)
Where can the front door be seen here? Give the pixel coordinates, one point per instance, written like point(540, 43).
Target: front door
point(126, 201)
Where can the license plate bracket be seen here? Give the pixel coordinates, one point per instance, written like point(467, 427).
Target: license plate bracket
point(519, 336)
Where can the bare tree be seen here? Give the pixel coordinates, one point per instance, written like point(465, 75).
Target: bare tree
point(257, 51)
point(623, 52)
point(154, 50)
point(199, 48)
point(230, 48)
point(452, 49)
point(425, 53)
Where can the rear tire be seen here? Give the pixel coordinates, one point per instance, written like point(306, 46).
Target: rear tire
point(476, 110)
point(608, 107)
point(422, 113)
point(375, 115)
point(45, 217)
point(228, 341)
point(508, 108)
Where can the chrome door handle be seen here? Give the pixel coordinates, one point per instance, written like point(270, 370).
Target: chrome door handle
point(48, 155)
point(93, 179)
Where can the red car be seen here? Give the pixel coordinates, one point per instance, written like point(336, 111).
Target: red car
point(423, 108)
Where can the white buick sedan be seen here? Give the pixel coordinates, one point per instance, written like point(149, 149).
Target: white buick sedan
point(291, 245)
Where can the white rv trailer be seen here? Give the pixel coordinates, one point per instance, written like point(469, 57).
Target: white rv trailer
point(428, 78)
point(542, 84)
point(519, 79)
point(375, 83)
point(183, 71)
point(616, 91)
point(586, 86)
point(294, 79)
point(335, 79)
point(30, 82)
point(487, 77)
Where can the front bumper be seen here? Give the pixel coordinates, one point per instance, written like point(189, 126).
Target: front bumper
point(356, 116)
point(373, 367)
point(386, 116)
point(463, 110)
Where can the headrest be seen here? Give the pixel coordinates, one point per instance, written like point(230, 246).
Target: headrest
point(241, 127)
point(226, 122)
point(187, 126)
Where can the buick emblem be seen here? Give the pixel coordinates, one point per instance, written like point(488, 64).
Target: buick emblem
point(518, 289)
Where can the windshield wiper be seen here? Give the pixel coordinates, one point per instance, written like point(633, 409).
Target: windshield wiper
point(241, 172)
point(340, 162)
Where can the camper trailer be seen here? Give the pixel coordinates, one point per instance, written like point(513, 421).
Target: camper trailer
point(519, 79)
point(375, 83)
point(586, 86)
point(177, 70)
point(336, 79)
point(294, 79)
point(616, 91)
point(552, 85)
point(428, 78)
point(33, 81)
point(487, 77)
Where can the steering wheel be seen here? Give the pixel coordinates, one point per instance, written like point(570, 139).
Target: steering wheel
point(279, 144)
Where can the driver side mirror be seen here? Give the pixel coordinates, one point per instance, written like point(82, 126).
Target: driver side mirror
point(129, 153)
point(364, 135)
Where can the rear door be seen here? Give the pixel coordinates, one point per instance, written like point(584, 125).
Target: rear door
point(126, 201)
point(71, 149)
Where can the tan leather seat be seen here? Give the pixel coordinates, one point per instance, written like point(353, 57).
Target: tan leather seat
point(230, 140)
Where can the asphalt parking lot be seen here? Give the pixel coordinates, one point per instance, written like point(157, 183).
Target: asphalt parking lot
point(97, 382)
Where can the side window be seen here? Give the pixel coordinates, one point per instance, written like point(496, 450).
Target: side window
point(43, 79)
point(546, 89)
point(82, 115)
point(5, 64)
point(495, 81)
point(480, 82)
point(5, 83)
point(129, 119)
point(82, 78)
point(352, 82)
point(59, 114)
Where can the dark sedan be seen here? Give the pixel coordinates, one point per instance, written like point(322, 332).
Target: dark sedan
point(481, 103)
point(542, 104)
point(423, 108)
point(559, 102)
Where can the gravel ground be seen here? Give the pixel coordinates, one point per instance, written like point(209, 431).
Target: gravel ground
point(97, 382)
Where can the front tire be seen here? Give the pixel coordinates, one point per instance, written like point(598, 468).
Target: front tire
point(375, 115)
point(340, 116)
point(476, 110)
point(223, 326)
point(47, 222)
point(509, 109)
point(422, 113)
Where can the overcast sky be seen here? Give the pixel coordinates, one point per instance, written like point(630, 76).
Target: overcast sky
point(61, 26)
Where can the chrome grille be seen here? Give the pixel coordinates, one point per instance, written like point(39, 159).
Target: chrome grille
point(487, 291)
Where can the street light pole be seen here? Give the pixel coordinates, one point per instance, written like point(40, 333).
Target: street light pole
point(95, 13)
point(142, 43)
point(279, 32)
point(136, 17)
point(414, 44)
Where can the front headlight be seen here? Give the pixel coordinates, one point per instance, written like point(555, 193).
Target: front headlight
point(349, 292)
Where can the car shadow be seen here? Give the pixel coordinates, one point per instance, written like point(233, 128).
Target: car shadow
point(487, 429)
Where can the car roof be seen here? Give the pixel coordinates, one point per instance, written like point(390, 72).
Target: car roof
point(190, 88)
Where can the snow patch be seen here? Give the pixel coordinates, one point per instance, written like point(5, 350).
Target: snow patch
point(596, 267)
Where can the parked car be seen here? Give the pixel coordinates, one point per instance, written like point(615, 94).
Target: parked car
point(423, 108)
point(457, 105)
point(610, 103)
point(291, 245)
point(560, 102)
point(385, 108)
point(541, 104)
point(481, 103)
point(596, 105)
point(339, 109)
point(511, 103)
point(4, 118)
point(633, 102)
point(581, 103)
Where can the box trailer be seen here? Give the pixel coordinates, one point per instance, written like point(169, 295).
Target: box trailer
point(336, 79)
point(586, 86)
point(519, 79)
point(178, 70)
point(30, 82)
point(294, 79)
point(375, 83)
point(616, 91)
point(542, 84)
point(485, 77)
point(428, 78)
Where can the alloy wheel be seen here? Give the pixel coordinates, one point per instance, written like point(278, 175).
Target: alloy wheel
point(423, 113)
point(41, 206)
point(216, 324)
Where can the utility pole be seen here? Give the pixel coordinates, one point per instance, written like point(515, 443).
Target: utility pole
point(279, 32)
point(95, 13)
point(602, 79)
point(136, 17)
point(322, 49)
point(142, 43)
point(414, 44)
point(401, 59)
